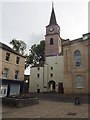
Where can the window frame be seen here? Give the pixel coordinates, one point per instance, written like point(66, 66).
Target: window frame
point(5, 74)
point(7, 56)
point(79, 83)
point(17, 60)
point(51, 68)
point(51, 41)
point(38, 75)
point(77, 58)
point(16, 74)
point(51, 75)
point(38, 68)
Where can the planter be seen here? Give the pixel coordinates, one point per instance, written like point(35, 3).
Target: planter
point(19, 102)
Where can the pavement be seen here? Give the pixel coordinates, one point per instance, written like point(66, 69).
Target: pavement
point(51, 105)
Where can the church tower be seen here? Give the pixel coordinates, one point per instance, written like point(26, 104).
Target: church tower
point(52, 37)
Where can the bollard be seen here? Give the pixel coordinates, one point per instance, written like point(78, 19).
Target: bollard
point(77, 101)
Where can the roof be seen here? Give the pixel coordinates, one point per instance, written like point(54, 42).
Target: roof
point(82, 39)
point(5, 47)
point(53, 17)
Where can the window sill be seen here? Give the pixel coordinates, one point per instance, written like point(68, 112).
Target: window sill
point(78, 67)
point(79, 87)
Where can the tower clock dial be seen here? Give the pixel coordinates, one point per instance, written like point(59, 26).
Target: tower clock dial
point(51, 29)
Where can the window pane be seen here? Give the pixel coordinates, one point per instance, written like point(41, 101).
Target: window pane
point(38, 75)
point(79, 81)
point(17, 60)
point(51, 75)
point(16, 74)
point(38, 68)
point(51, 68)
point(77, 57)
point(7, 56)
point(14, 89)
point(5, 75)
point(51, 41)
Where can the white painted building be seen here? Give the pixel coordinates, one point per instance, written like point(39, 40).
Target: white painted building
point(46, 78)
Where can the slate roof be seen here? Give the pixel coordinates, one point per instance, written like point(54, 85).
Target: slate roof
point(5, 47)
point(53, 18)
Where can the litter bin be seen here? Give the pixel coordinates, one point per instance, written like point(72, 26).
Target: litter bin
point(77, 101)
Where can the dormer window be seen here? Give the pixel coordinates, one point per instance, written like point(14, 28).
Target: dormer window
point(17, 60)
point(7, 56)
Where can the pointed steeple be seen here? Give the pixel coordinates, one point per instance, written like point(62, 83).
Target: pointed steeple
point(53, 17)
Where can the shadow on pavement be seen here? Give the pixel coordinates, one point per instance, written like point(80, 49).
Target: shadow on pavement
point(85, 99)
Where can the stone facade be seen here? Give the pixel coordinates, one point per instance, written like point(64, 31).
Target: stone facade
point(12, 66)
point(11, 72)
point(70, 70)
point(55, 48)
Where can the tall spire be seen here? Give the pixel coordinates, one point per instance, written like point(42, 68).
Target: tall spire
point(52, 5)
point(53, 17)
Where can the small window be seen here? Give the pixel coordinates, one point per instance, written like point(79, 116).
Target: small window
point(51, 75)
point(5, 74)
point(7, 56)
point(38, 68)
point(51, 41)
point(16, 74)
point(17, 60)
point(51, 68)
point(38, 75)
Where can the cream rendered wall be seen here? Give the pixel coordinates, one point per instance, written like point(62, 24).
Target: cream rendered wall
point(45, 78)
point(34, 80)
point(12, 66)
point(58, 69)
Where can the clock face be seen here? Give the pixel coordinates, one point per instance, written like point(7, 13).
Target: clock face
point(51, 29)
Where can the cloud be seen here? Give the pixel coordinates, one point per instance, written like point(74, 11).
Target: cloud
point(34, 39)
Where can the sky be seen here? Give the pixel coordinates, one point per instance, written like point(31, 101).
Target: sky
point(26, 20)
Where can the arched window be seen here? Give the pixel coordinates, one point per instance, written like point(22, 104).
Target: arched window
point(77, 57)
point(79, 81)
point(51, 41)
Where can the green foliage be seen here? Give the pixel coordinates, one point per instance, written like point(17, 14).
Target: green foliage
point(18, 45)
point(37, 54)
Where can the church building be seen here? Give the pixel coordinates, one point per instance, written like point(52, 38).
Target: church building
point(66, 68)
point(50, 76)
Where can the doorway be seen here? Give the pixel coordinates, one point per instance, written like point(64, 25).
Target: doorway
point(51, 85)
point(60, 88)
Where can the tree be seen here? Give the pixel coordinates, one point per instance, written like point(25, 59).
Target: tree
point(19, 46)
point(36, 55)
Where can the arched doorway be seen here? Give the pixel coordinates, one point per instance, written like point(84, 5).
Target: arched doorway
point(51, 85)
